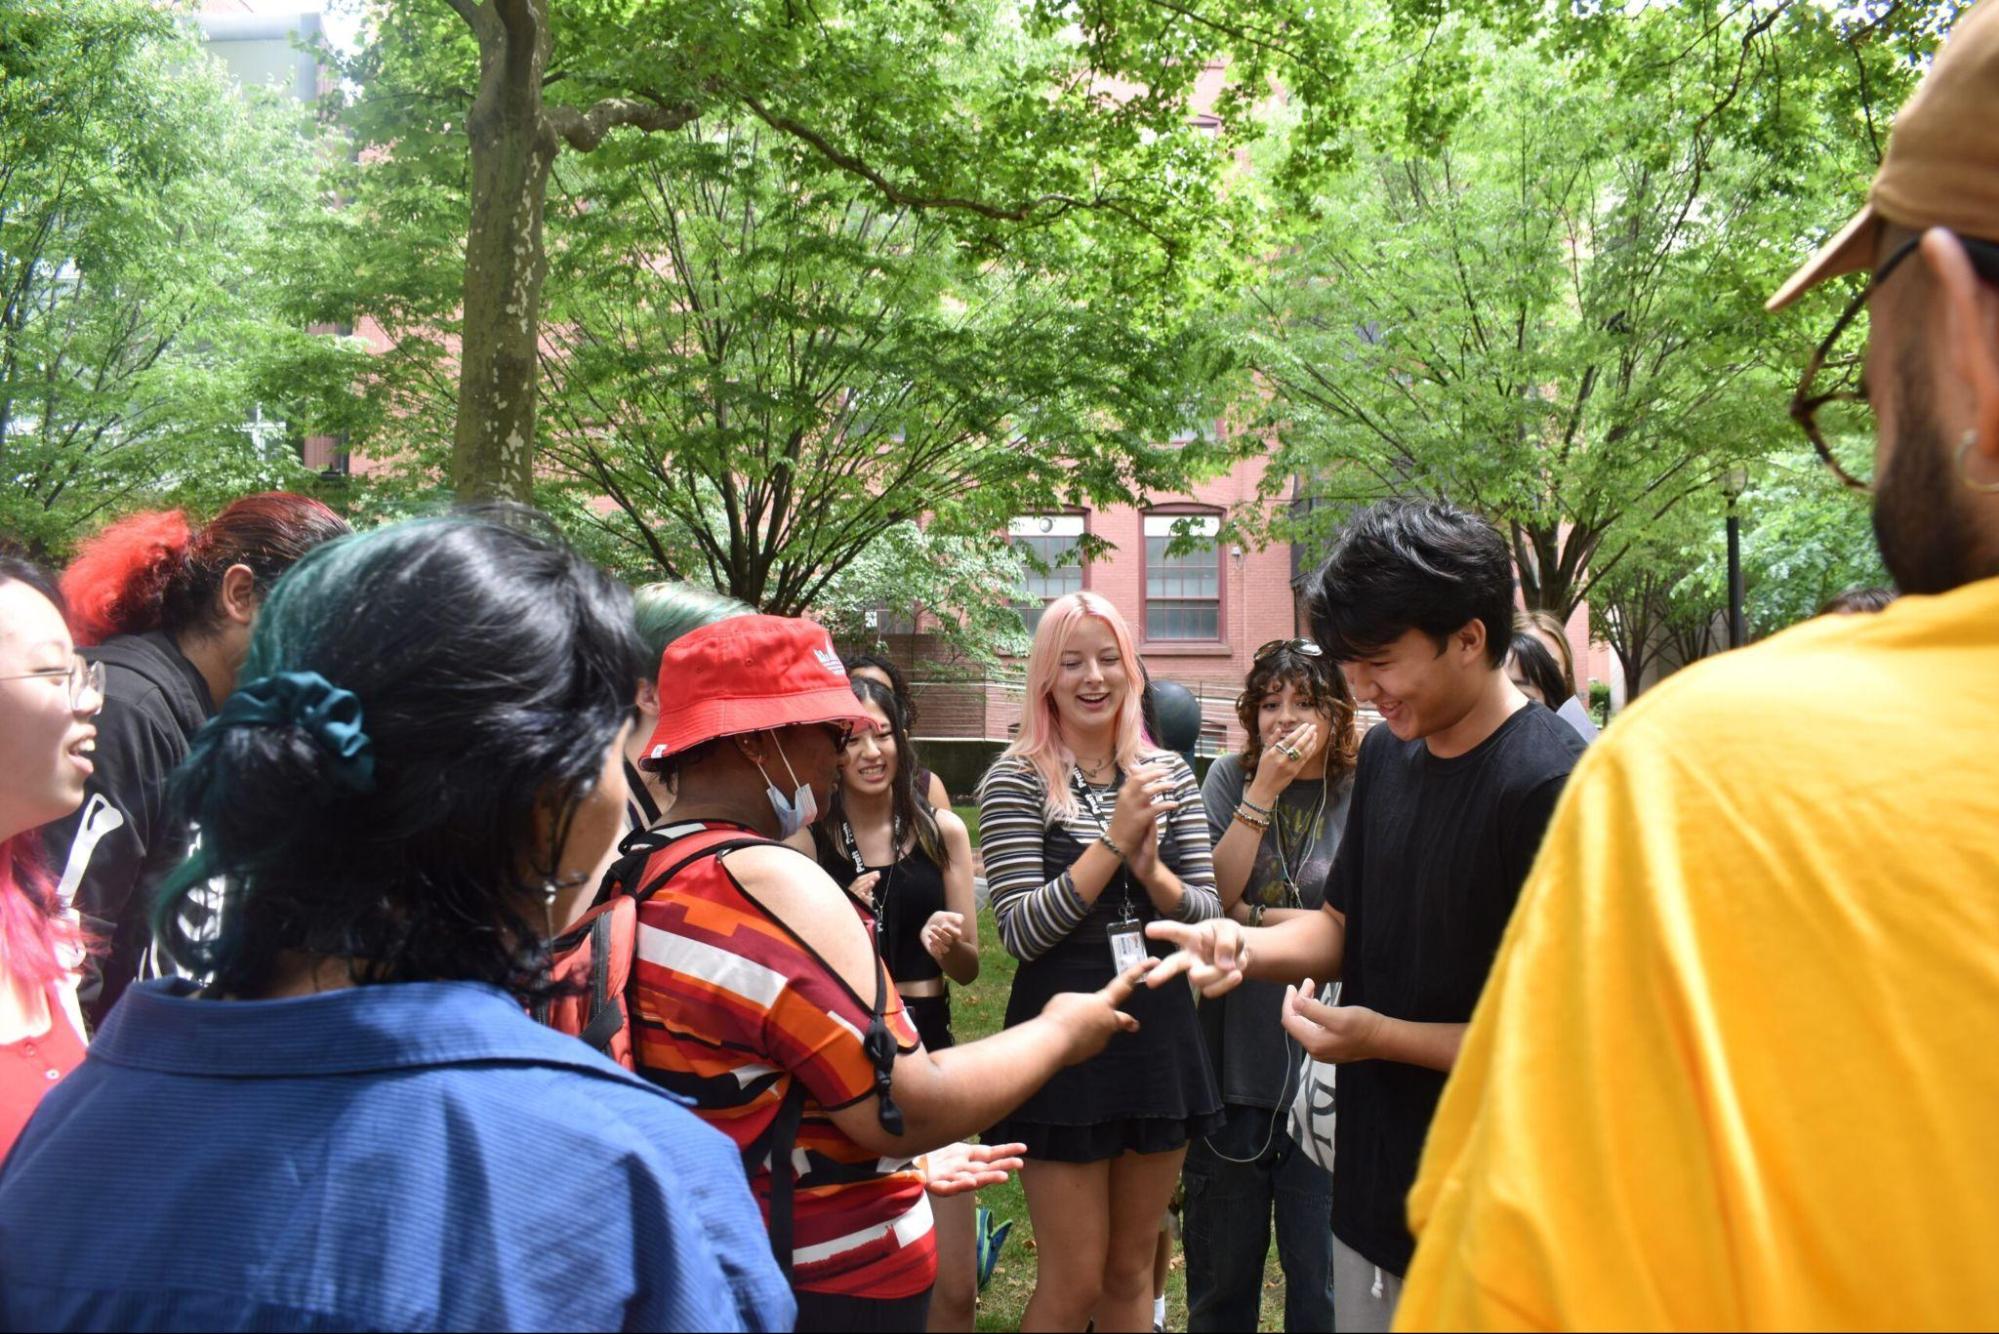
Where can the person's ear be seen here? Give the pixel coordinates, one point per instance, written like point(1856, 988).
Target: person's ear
point(1970, 313)
point(648, 699)
point(1469, 640)
point(238, 598)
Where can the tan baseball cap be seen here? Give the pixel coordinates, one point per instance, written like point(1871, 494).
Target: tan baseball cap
point(1942, 164)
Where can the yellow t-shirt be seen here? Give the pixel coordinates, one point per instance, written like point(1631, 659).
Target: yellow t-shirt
point(1737, 1064)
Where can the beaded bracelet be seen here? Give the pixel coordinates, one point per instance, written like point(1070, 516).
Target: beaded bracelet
point(1106, 839)
point(1264, 811)
point(1254, 821)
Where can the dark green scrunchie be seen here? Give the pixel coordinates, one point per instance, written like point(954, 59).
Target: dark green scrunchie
point(329, 715)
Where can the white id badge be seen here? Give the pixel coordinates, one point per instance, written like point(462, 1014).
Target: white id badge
point(1127, 945)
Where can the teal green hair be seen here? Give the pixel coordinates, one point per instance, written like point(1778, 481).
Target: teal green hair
point(665, 611)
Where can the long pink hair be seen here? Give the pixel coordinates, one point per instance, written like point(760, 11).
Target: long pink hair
point(34, 936)
point(1041, 742)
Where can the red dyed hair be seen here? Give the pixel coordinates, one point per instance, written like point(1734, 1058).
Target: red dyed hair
point(154, 571)
point(117, 582)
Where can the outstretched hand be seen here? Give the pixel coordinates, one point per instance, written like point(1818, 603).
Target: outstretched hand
point(1211, 955)
point(961, 1167)
point(1091, 1018)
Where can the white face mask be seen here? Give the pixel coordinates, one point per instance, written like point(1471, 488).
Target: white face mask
point(803, 807)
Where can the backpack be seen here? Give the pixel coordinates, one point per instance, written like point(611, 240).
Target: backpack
point(596, 956)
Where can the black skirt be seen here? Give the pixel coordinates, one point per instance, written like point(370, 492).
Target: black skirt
point(1147, 1092)
point(932, 1017)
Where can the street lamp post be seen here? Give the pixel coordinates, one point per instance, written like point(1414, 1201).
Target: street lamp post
point(1733, 486)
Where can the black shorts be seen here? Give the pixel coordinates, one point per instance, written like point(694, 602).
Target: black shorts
point(932, 1017)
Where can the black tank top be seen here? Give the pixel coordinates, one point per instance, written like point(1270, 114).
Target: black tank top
point(909, 892)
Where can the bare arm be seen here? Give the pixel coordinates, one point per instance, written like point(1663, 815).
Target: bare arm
point(1344, 1033)
point(944, 1096)
point(1235, 858)
point(1217, 954)
point(937, 796)
point(952, 936)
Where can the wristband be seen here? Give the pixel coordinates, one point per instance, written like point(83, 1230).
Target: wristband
point(1254, 821)
point(1106, 839)
point(1264, 811)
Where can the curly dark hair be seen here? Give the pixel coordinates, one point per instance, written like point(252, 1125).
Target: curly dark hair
point(495, 668)
point(1324, 689)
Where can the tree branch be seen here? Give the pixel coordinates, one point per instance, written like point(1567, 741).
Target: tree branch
point(584, 130)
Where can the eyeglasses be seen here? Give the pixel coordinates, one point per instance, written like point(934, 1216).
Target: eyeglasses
point(1309, 647)
point(1842, 414)
point(85, 679)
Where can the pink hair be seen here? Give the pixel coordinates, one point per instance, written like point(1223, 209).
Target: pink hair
point(33, 936)
point(1040, 742)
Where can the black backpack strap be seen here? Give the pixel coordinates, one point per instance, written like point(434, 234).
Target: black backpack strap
point(782, 1139)
point(654, 885)
point(607, 1012)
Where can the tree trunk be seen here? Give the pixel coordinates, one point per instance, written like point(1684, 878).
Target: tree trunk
point(513, 151)
point(1634, 672)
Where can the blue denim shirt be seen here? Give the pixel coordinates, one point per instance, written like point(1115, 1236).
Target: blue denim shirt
point(412, 1156)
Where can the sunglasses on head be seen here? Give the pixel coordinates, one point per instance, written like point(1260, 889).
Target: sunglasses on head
point(1307, 647)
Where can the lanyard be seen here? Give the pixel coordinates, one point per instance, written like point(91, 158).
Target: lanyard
point(1089, 800)
point(880, 895)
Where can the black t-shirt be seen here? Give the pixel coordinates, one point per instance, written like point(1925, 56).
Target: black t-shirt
point(123, 840)
point(910, 892)
point(1427, 875)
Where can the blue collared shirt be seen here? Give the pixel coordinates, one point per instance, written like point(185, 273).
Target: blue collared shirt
point(412, 1156)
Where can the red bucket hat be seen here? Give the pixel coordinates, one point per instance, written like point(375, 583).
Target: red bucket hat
point(746, 674)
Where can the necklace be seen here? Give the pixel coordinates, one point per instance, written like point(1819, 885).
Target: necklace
point(1094, 772)
point(1285, 856)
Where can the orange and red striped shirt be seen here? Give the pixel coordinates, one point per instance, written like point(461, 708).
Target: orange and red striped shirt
point(730, 1007)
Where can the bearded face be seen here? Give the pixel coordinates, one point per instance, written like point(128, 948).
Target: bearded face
point(1927, 539)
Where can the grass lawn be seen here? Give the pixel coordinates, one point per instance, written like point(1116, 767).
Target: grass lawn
point(978, 1011)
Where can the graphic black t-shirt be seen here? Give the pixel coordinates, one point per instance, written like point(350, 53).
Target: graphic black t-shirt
point(1433, 859)
point(114, 851)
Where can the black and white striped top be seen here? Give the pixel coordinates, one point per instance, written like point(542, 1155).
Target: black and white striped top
point(1034, 913)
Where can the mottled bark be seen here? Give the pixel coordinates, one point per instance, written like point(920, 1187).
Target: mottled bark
point(514, 138)
point(513, 149)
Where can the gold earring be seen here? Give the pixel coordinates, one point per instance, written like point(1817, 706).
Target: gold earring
point(1964, 471)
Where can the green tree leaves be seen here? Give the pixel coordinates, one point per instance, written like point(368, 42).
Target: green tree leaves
point(147, 219)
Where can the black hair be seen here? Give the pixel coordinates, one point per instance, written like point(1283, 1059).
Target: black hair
point(494, 669)
point(1857, 601)
point(896, 680)
point(1412, 565)
point(1540, 668)
point(912, 809)
point(17, 568)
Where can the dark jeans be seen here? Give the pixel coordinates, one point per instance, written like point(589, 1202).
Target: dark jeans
point(824, 1313)
point(1226, 1227)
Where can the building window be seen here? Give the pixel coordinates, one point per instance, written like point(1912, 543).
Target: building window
point(1183, 592)
point(1054, 540)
